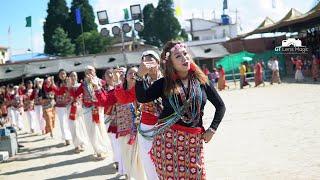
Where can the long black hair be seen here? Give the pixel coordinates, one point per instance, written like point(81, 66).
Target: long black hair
point(60, 81)
point(125, 83)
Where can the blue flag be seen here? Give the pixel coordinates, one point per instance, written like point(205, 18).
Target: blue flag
point(225, 4)
point(78, 16)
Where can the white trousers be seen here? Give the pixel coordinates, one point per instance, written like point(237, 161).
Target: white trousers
point(39, 115)
point(96, 131)
point(114, 144)
point(11, 116)
point(31, 116)
point(132, 165)
point(18, 118)
point(299, 76)
point(77, 129)
point(145, 146)
point(62, 114)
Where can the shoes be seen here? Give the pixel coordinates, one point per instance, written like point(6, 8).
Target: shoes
point(77, 150)
point(81, 148)
point(101, 156)
point(67, 143)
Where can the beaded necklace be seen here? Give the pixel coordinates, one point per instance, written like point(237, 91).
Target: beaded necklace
point(194, 102)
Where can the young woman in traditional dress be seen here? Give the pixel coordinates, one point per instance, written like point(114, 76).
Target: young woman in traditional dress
point(93, 100)
point(109, 111)
point(17, 107)
point(37, 104)
point(149, 115)
point(29, 108)
point(62, 101)
point(76, 121)
point(47, 101)
point(126, 115)
point(179, 135)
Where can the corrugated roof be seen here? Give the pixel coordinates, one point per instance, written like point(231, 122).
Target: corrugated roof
point(208, 51)
point(28, 56)
point(78, 64)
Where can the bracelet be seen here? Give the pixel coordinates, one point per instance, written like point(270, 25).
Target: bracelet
point(212, 130)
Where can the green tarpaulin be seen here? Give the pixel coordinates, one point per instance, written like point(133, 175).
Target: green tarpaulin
point(233, 61)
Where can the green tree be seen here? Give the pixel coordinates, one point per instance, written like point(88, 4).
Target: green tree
point(61, 43)
point(57, 17)
point(149, 32)
point(87, 15)
point(183, 35)
point(94, 43)
point(166, 24)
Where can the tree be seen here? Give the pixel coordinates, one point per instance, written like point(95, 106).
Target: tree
point(61, 43)
point(149, 32)
point(57, 17)
point(160, 24)
point(94, 43)
point(166, 24)
point(87, 15)
point(183, 35)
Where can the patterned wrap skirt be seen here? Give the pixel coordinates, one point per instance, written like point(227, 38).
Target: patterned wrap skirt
point(178, 153)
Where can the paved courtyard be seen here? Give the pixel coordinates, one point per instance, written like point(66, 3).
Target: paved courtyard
point(268, 132)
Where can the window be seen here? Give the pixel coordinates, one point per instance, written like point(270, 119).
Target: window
point(196, 38)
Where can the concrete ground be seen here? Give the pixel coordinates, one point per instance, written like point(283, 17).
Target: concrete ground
point(268, 132)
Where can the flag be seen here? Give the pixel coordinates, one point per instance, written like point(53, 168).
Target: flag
point(78, 16)
point(126, 14)
point(28, 21)
point(225, 4)
point(178, 9)
point(273, 3)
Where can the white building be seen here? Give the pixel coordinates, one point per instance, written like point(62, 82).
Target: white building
point(211, 31)
point(4, 55)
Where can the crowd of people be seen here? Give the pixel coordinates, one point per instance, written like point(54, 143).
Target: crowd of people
point(152, 114)
point(257, 71)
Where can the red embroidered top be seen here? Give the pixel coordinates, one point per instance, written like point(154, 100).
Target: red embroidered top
point(36, 96)
point(96, 98)
point(27, 100)
point(62, 95)
point(17, 100)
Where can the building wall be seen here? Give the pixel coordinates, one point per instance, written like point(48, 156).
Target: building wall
point(206, 30)
point(4, 55)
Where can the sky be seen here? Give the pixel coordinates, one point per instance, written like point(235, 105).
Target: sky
point(250, 14)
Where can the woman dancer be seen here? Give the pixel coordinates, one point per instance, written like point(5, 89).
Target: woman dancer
point(178, 139)
point(37, 104)
point(149, 116)
point(76, 121)
point(93, 100)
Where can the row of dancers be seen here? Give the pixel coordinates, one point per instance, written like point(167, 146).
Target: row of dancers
point(152, 114)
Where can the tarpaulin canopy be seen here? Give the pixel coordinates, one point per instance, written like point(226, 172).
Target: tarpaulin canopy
point(293, 21)
point(233, 61)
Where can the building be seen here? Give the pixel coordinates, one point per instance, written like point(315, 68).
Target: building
point(212, 31)
point(4, 55)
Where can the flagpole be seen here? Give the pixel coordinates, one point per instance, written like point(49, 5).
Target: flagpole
point(83, 45)
point(9, 42)
point(31, 37)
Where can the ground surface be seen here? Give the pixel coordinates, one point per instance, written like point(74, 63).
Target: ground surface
point(270, 132)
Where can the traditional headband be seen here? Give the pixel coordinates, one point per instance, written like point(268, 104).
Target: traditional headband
point(175, 48)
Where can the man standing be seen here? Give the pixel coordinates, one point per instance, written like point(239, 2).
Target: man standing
point(274, 66)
